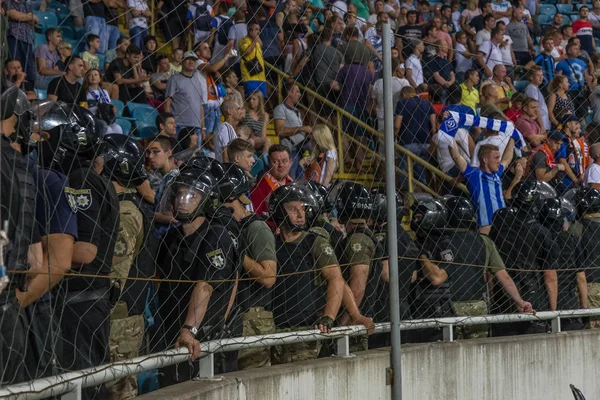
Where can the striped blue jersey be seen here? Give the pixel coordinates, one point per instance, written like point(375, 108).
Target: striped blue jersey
point(486, 193)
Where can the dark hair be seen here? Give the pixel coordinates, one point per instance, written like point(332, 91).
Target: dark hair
point(495, 31)
point(454, 94)
point(149, 38)
point(133, 50)
point(487, 18)
point(121, 39)
point(161, 57)
point(412, 12)
point(90, 38)
point(460, 34)
point(326, 35)
point(278, 148)
point(184, 138)
point(237, 146)
point(445, 7)
point(260, 13)
point(239, 15)
point(166, 143)
point(9, 60)
point(570, 46)
point(162, 118)
point(582, 7)
point(225, 73)
point(564, 28)
point(252, 22)
point(289, 86)
point(351, 32)
point(50, 31)
point(71, 59)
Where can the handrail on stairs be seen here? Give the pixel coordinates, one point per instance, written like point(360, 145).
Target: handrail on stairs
point(412, 158)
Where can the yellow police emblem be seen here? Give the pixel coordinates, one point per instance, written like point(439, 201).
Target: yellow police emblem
point(216, 259)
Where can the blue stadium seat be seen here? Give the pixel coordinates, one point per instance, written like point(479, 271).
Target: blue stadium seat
point(564, 8)
point(545, 19)
point(584, 5)
point(40, 39)
point(145, 131)
point(131, 107)
point(124, 124)
point(521, 85)
point(41, 94)
point(548, 9)
point(57, 8)
point(67, 32)
point(145, 114)
point(574, 17)
point(79, 32)
point(566, 20)
point(120, 107)
point(100, 61)
point(47, 19)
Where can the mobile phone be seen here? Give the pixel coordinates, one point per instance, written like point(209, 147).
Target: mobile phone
point(233, 52)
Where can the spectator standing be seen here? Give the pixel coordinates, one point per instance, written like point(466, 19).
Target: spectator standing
point(269, 35)
point(477, 22)
point(21, 21)
point(545, 60)
point(485, 34)
point(471, 11)
point(536, 77)
point(233, 114)
point(463, 56)
point(414, 123)
point(594, 17)
point(522, 45)
point(158, 80)
point(577, 72)
point(128, 74)
point(219, 29)
point(46, 58)
point(138, 21)
point(409, 33)
point(325, 61)
point(442, 71)
point(290, 128)
point(413, 66)
point(199, 15)
point(95, 22)
point(277, 175)
point(67, 88)
point(76, 10)
point(237, 32)
point(111, 14)
point(559, 102)
point(89, 57)
point(488, 54)
point(186, 96)
point(176, 61)
point(502, 10)
point(592, 174)
point(252, 62)
point(355, 51)
point(398, 82)
point(508, 55)
point(528, 125)
point(583, 29)
point(574, 153)
point(470, 93)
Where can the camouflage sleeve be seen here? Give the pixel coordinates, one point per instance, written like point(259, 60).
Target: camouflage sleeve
point(129, 241)
point(494, 260)
point(359, 250)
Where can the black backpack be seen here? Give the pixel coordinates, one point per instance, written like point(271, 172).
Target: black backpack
point(223, 30)
point(202, 17)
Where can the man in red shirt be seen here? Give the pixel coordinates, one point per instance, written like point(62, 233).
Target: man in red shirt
point(527, 124)
point(582, 28)
point(278, 175)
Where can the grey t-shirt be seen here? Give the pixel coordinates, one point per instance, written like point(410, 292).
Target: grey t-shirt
point(326, 63)
point(293, 119)
point(236, 32)
point(535, 93)
point(159, 77)
point(518, 33)
point(188, 95)
point(225, 134)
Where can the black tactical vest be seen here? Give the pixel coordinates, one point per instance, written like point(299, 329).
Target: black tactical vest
point(590, 241)
point(297, 296)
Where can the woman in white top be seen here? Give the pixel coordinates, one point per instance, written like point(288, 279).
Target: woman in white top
point(95, 95)
point(321, 165)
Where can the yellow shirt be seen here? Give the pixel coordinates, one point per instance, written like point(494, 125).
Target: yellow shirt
point(256, 53)
point(469, 98)
point(91, 59)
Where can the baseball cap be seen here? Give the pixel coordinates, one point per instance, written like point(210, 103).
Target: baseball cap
point(556, 135)
point(190, 54)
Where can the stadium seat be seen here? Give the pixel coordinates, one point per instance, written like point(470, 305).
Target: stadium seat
point(145, 131)
point(564, 8)
point(124, 124)
point(67, 33)
point(145, 114)
point(79, 32)
point(566, 20)
point(120, 107)
point(574, 17)
point(584, 5)
point(100, 61)
point(57, 8)
point(40, 39)
point(548, 9)
point(47, 19)
point(41, 94)
point(131, 107)
point(545, 19)
point(521, 85)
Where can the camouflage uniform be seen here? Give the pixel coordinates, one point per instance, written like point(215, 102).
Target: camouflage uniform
point(475, 308)
point(126, 332)
point(256, 321)
point(297, 351)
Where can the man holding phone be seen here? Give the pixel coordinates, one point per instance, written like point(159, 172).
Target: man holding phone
point(252, 64)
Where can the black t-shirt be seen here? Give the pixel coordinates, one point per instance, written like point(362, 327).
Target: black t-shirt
point(97, 223)
point(441, 65)
point(538, 161)
point(93, 9)
point(71, 93)
point(568, 263)
point(126, 92)
point(211, 258)
point(407, 35)
point(477, 23)
point(112, 16)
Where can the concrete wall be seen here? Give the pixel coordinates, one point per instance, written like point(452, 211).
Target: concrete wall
point(537, 367)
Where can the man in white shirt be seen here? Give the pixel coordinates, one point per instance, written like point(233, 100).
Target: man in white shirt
point(233, 114)
point(489, 22)
point(398, 82)
point(491, 137)
point(414, 68)
point(591, 178)
point(502, 10)
point(488, 54)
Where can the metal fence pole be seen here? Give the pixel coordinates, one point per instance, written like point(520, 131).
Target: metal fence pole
point(392, 224)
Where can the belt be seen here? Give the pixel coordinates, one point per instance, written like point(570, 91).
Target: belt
point(85, 295)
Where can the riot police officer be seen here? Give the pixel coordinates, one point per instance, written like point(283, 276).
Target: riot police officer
point(71, 149)
point(17, 213)
point(320, 218)
point(133, 256)
point(204, 254)
point(430, 293)
point(257, 244)
point(564, 275)
point(466, 256)
point(524, 245)
point(310, 289)
point(587, 203)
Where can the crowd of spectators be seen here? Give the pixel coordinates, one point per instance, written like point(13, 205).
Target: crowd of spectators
point(216, 95)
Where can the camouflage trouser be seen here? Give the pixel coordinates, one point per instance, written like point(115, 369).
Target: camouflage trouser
point(475, 308)
point(359, 343)
point(256, 321)
point(126, 336)
point(594, 302)
point(289, 353)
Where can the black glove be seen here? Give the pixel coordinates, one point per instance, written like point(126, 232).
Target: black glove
point(326, 321)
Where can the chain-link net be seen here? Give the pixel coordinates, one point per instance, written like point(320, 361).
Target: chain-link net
point(224, 178)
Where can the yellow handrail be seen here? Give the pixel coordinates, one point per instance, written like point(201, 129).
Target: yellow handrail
point(341, 112)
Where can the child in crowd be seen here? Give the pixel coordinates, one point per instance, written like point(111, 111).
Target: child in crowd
point(515, 109)
point(176, 59)
point(90, 59)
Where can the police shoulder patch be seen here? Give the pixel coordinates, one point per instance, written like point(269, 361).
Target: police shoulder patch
point(447, 256)
point(69, 194)
point(356, 247)
point(327, 249)
point(120, 247)
point(81, 197)
point(216, 258)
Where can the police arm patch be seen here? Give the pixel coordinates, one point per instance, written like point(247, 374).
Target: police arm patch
point(216, 259)
point(447, 255)
point(70, 195)
point(356, 247)
point(81, 198)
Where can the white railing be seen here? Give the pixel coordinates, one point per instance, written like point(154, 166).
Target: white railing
point(69, 384)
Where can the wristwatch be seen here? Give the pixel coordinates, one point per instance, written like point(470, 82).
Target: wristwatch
point(192, 329)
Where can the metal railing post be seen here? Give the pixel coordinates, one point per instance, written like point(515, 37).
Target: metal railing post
point(556, 327)
point(342, 346)
point(207, 366)
point(152, 19)
point(279, 89)
point(448, 332)
point(74, 394)
point(340, 139)
point(411, 176)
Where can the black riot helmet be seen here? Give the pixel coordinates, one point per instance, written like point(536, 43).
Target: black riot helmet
point(72, 135)
point(529, 195)
point(190, 195)
point(322, 195)
point(461, 213)
point(283, 195)
point(123, 160)
point(352, 201)
point(379, 210)
point(235, 184)
point(428, 215)
point(587, 201)
point(551, 214)
point(14, 102)
point(568, 209)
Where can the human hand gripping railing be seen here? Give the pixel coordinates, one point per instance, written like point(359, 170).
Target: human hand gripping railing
point(342, 113)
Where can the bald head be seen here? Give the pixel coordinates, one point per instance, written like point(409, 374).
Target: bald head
point(595, 151)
